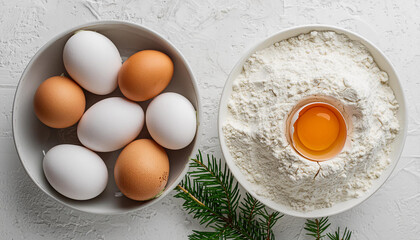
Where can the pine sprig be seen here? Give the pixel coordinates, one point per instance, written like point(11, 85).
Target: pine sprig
point(346, 235)
point(317, 227)
point(211, 195)
point(250, 207)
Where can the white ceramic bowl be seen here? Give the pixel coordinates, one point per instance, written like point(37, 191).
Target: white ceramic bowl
point(397, 145)
point(32, 138)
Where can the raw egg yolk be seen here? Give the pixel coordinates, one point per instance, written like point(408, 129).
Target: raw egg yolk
point(317, 128)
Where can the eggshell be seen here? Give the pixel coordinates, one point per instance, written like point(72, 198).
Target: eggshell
point(59, 102)
point(93, 61)
point(145, 74)
point(75, 171)
point(171, 120)
point(110, 124)
point(141, 170)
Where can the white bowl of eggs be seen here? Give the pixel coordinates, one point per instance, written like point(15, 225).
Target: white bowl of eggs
point(105, 117)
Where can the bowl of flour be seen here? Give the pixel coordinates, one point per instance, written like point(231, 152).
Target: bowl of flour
point(276, 75)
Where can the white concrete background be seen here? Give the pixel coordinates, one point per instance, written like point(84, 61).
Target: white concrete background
point(212, 35)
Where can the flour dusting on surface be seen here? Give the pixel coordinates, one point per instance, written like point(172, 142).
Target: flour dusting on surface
point(277, 78)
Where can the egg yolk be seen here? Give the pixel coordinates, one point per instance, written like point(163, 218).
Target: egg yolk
point(317, 128)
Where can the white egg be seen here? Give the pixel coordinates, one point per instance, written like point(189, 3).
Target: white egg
point(171, 120)
point(93, 61)
point(110, 124)
point(75, 172)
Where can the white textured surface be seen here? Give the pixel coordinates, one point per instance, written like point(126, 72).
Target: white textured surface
point(212, 35)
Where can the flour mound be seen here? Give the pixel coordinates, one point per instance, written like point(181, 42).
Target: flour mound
point(278, 77)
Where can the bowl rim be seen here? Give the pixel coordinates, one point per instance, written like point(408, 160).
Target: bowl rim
point(194, 82)
point(306, 28)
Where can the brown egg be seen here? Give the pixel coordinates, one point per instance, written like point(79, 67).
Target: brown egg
point(142, 169)
point(59, 102)
point(145, 74)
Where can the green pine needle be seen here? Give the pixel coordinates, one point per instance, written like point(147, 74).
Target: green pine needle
point(346, 235)
point(211, 195)
point(317, 227)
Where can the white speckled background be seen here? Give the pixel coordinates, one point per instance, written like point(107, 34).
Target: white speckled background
point(212, 35)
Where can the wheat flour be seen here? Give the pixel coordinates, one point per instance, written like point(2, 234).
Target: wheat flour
point(273, 81)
